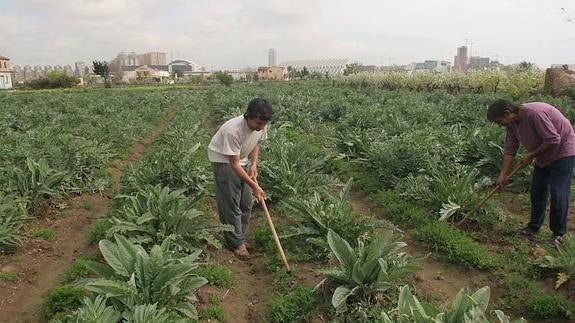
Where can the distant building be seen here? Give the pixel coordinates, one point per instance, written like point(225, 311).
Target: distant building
point(460, 60)
point(68, 70)
point(152, 58)
point(184, 67)
point(123, 59)
point(479, 63)
point(236, 74)
point(323, 66)
point(18, 74)
point(80, 69)
point(28, 73)
point(143, 72)
point(431, 65)
point(272, 73)
point(5, 73)
point(272, 57)
point(38, 72)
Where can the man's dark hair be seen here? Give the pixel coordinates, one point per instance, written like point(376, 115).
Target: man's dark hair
point(259, 108)
point(498, 108)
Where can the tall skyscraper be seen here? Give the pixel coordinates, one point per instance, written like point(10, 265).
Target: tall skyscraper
point(460, 60)
point(272, 57)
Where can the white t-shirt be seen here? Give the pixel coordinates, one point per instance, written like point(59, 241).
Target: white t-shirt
point(234, 138)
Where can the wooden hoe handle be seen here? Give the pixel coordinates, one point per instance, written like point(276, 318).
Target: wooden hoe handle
point(495, 189)
point(276, 238)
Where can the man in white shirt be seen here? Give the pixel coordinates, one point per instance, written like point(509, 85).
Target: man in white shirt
point(234, 152)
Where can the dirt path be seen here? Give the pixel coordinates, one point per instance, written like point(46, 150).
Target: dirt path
point(437, 279)
point(40, 264)
point(246, 300)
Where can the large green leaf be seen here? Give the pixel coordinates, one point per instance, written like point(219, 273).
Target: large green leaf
point(96, 311)
point(341, 294)
point(114, 258)
point(481, 298)
point(110, 288)
point(342, 250)
point(171, 275)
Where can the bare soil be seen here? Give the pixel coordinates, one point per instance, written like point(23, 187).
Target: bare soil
point(40, 264)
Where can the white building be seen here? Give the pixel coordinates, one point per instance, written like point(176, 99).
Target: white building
point(431, 65)
point(331, 66)
point(156, 73)
point(272, 57)
point(80, 68)
point(184, 67)
point(5, 73)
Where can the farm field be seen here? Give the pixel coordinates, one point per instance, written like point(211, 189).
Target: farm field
point(365, 186)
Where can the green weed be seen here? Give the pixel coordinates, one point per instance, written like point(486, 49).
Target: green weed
point(295, 306)
point(98, 230)
point(9, 277)
point(46, 234)
point(63, 298)
point(214, 311)
point(218, 275)
point(457, 246)
point(78, 269)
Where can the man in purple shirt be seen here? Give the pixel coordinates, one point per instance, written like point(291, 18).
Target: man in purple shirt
point(549, 139)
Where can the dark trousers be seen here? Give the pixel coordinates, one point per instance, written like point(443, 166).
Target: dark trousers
point(235, 201)
point(554, 180)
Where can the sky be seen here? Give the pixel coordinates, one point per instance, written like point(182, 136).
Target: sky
point(233, 34)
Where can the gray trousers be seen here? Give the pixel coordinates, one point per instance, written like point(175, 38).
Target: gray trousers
point(235, 201)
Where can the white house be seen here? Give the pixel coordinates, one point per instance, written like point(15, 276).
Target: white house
point(5, 73)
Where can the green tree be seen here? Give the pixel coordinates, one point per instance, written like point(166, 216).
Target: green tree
point(103, 69)
point(525, 66)
point(303, 73)
point(224, 78)
point(292, 73)
point(352, 68)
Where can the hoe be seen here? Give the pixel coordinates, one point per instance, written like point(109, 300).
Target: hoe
point(495, 189)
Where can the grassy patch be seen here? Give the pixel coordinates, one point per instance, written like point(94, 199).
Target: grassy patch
point(263, 239)
point(526, 297)
point(217, 275)
point(98, 231)
point(9, 277)
point(46, 234)
point(86, 204)
point(78, 269)
point(62, 299)
point(273, 264)
point(295, 306)
point(214, 311)
point(457, 246)
point(283, 281)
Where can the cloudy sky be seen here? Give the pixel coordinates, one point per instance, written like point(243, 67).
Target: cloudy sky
point(237, 33)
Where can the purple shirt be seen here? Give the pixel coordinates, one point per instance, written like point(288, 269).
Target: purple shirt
point(541, 123)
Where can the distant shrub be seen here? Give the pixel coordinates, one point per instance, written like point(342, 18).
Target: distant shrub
point(54, 80)
point(224, 78)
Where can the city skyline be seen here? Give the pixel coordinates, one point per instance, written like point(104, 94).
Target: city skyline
point(228, 35)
